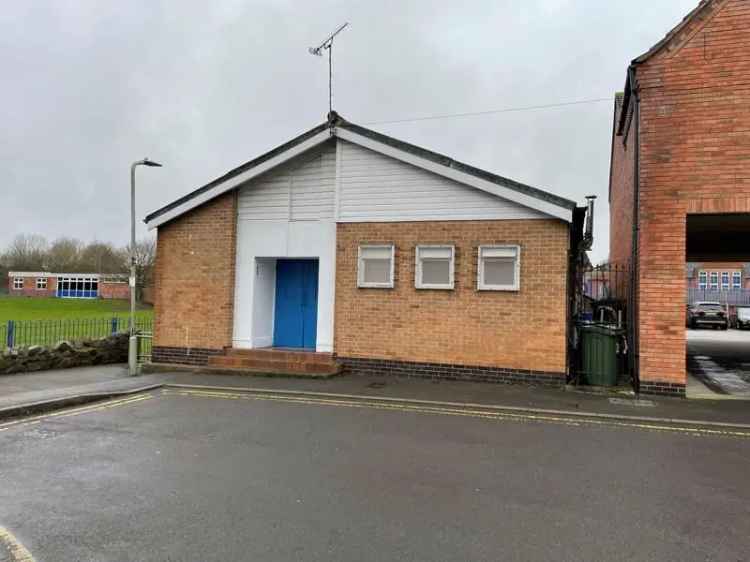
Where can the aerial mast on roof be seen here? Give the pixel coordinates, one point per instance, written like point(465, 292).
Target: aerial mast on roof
point(327, 44)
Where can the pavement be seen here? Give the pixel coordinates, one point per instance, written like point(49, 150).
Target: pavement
point(720, 361)
point(186, 474)
point(29, 393)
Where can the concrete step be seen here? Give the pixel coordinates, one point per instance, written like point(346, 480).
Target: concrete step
point(281, 355)
point(274, 365)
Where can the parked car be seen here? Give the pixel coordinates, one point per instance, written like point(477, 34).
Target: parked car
point(743, 317)
point(707, 313)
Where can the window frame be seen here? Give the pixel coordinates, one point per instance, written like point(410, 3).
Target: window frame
point(361, 283)
point(481, 286)
point(418, 284)
point(736, 280)
point(41, 283)
point(725, 276)
point(713, 283)
point(703, 280)
point(16, 283)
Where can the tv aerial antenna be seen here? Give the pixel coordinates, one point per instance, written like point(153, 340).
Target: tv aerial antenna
point(327, 45)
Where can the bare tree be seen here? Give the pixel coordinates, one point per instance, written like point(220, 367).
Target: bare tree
point(27, 252)
point(64, 255)
point(145, 257)
point(101, 257)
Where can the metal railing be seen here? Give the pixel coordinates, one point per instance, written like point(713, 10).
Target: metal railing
point(145, 341)
point(733, 297)
point(23, 333)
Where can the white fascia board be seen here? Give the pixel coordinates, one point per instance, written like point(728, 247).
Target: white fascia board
point(458, 176)
point(239, 179)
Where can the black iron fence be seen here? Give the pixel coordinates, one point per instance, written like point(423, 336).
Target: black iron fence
point(600, 335)
point(24, 333)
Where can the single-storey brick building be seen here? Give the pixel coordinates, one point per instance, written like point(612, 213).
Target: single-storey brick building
point(67, 285)
point(371, 252)
point(680, 176)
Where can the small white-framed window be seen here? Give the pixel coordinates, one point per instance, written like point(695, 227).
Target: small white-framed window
point(41, 283)
point(724, 280)
point(702, 280)
point(435, 267)
point(18, 283)
point(375, 266)
point(736, 280)
point(499, 268)
point(714, 280)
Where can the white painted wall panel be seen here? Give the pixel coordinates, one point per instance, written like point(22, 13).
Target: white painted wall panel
point(261, 243)
point(375, 187)
point(301, 189)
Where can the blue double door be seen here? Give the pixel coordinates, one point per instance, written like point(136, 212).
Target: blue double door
point(296, 310)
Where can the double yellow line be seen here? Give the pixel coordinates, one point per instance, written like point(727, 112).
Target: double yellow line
point(68, 412)
point(455, 410)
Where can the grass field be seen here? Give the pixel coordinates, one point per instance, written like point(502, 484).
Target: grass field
point(27, 308)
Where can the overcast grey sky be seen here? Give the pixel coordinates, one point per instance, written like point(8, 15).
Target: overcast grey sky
point(91, 86)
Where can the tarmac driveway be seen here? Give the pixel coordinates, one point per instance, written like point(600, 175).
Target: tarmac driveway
point(720, 359)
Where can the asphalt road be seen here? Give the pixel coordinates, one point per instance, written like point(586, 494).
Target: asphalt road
point(721, 359)
point(195, 476)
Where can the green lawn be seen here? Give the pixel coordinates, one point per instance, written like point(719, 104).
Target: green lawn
point(34, 308)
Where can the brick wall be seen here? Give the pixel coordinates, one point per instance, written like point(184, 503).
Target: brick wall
point(695, 158)
point(114, 290)
point(194, 280)
point(621, 194)
point(30, 290)
point(523, 330)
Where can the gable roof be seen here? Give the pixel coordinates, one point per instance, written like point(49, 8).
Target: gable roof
point(676, 36)
point(701, 11)
point(336, 126)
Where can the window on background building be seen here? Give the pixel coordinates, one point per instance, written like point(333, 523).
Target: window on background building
point(724, 280)
point(434, 267)
point(375, 267)
point(714, 280)
point(41, 283)
point(702, 280)
point(18, 283)
point(499, 268)
point(736, 280)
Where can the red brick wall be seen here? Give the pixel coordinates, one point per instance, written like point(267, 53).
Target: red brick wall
point(194, 277)
point(695, 158)
point(114, 290)
point(515, 330)
point(30, 290)
point(621, 195)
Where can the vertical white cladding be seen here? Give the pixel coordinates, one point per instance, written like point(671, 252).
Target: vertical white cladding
point(301, 189)
point(286, 213)
point(375, 187)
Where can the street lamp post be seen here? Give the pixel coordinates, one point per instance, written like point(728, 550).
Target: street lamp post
point(133, 339)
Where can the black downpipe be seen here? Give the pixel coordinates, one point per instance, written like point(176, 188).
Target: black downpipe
point(633, 305)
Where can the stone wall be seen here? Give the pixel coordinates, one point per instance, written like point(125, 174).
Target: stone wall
point(113, 349)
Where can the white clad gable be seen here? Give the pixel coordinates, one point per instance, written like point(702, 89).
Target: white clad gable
point(374, 187)
point(301, 189)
